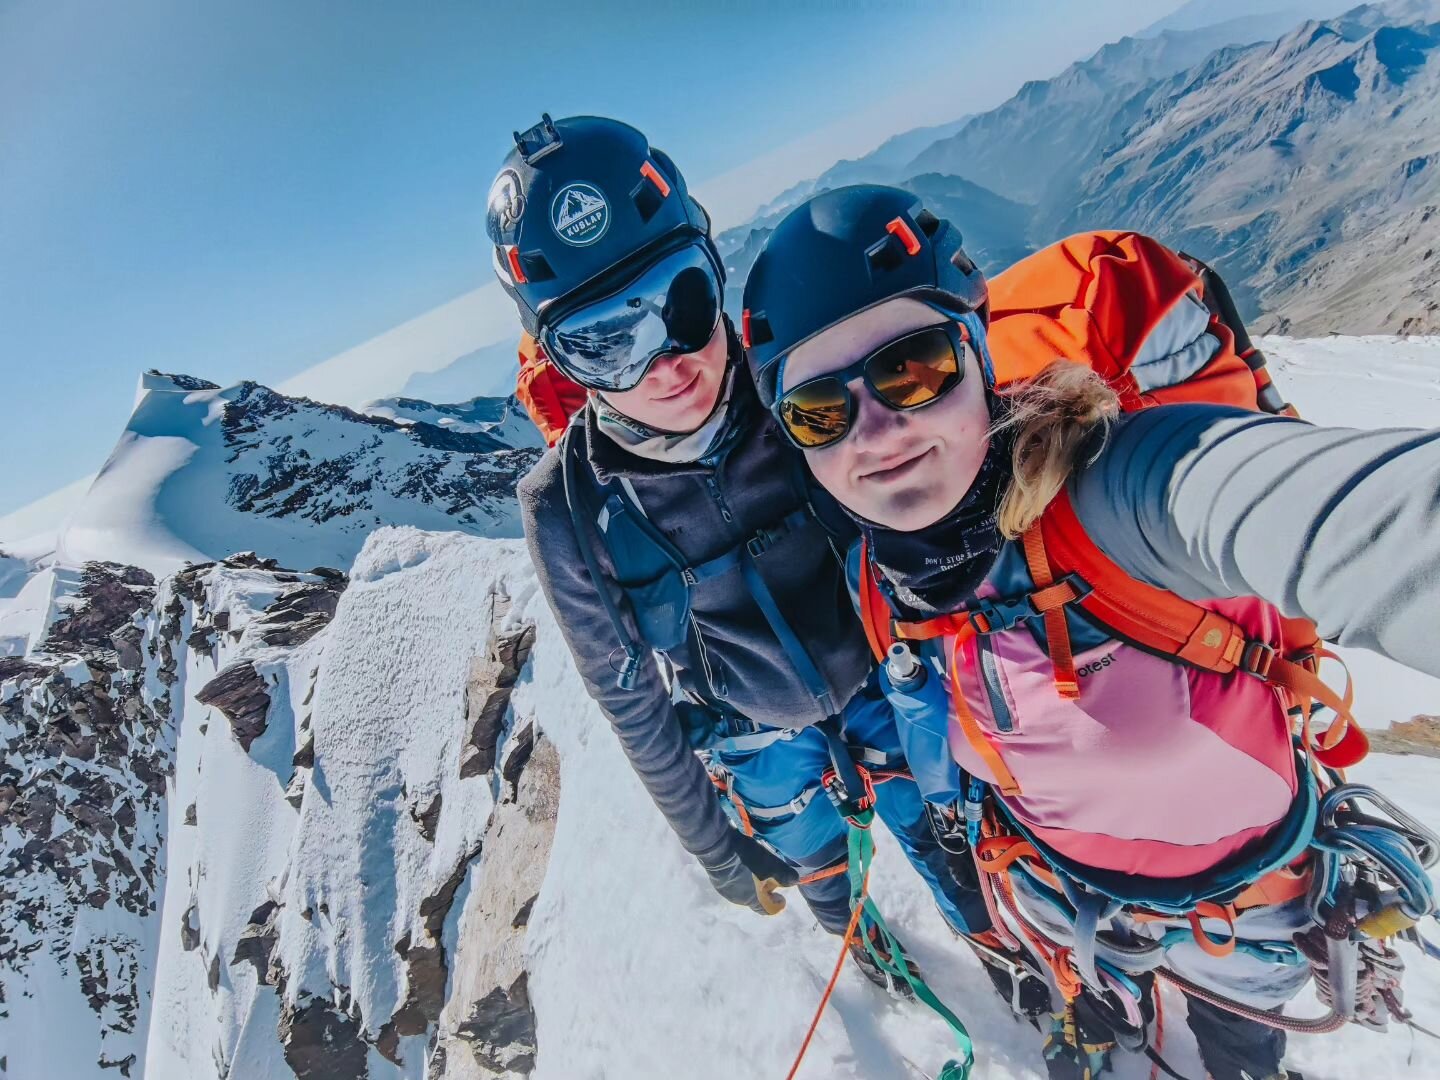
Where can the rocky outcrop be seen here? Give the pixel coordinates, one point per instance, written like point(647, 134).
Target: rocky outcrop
point(487, 1027)
point(321, 1042)
point(487, 692)
point(1418, 735)
point(242, 694)
point(83, 757)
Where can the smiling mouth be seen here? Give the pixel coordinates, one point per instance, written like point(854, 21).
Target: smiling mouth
point(682, 391)
point(898, 471)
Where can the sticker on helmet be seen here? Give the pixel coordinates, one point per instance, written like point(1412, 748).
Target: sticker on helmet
point(579, 214)
point(505, 205)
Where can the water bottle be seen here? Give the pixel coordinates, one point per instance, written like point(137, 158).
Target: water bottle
point(906, 672)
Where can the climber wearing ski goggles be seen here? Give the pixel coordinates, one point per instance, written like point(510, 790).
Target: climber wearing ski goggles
point(609, 342)
point(908, 373)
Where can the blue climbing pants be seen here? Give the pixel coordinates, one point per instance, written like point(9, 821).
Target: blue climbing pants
point(778, 786)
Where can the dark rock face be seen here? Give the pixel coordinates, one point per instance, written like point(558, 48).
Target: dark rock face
point(110, 596)
point(465, 475)
point(83, 759)
point(243, 695)
point(184, 382)
point(501, 1028)
point(257, 941)
point(320, 1042)
point(488, 690)
point(301, 613)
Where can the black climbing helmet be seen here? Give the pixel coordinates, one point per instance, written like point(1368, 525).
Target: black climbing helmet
point(841, 252)
point(579, 202)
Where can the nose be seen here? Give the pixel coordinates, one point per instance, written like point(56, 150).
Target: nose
point(666, 370)
point(872, 419)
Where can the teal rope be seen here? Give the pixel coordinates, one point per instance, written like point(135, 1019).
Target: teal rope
point(862, 853)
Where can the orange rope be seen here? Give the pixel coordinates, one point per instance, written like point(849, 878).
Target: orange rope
point(1159, 1028)
point(821, 875)
point(834, 978)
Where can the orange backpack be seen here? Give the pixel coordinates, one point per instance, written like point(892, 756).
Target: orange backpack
point(548, 395)
point(1113, 300)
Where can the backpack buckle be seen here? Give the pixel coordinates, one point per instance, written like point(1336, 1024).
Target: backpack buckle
point(1256, 659)
point(760, 543)
point(992, 616)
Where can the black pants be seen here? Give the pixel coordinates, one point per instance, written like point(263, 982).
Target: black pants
point(1233, 1047)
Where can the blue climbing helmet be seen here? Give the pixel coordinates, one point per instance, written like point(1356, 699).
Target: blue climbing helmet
point(842, 252)
point(581, 208)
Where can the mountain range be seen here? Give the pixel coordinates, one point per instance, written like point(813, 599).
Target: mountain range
point(1298, 156)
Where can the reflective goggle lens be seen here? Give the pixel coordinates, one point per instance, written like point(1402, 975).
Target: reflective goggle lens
point(905, 374)
point(673, 306)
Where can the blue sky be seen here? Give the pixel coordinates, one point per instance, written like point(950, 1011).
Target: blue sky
point(241, 190)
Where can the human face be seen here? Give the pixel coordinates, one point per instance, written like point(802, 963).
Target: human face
point(679, 392)
point(903, 469)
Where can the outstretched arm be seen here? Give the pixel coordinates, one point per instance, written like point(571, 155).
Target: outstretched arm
point(1337, 525)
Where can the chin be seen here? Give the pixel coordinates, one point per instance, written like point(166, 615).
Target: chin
point(911, 514)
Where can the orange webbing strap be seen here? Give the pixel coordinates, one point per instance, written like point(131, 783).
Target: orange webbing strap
point(1277, 887)
point(1057, 632)
point(872, 603)
point(1153, 618)
point(1209, 945)
point(970, 728)
point(728, 791)
point(1344, 742)
point(940, 626)
point(995, 853)
point(829, 872)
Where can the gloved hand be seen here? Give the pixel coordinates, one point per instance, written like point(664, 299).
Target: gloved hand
point(751, 875)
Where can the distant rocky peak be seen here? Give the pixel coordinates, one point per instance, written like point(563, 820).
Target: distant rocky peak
point(160, 380)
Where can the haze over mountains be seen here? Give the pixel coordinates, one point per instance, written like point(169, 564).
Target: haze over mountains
point(1300, 157)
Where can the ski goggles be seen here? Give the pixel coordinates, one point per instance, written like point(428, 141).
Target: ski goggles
point(671, 307)
point(907, 373)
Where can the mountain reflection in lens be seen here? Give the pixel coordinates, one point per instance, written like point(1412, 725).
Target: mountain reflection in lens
point(908, 373)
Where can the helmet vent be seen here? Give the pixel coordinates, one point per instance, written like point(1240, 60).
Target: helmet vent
point(927, 222)
point(755, 329)
point(647, 199)
point(887, 254)
point(536, 266)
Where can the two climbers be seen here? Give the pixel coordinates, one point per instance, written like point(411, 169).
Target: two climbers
point(1110, 564)
point(674, 537)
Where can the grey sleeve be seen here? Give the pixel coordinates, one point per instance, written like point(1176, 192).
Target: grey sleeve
point(1337, 525)
point(643, 718)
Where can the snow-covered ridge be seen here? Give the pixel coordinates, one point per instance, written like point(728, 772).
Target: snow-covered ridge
point(202, 471)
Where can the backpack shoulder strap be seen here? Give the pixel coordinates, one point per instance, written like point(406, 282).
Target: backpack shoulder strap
point(572, 464)
point(1167, 624)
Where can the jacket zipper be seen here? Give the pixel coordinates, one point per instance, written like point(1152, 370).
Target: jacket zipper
point(990, 675)
point(718, 691)
point(713, 484)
